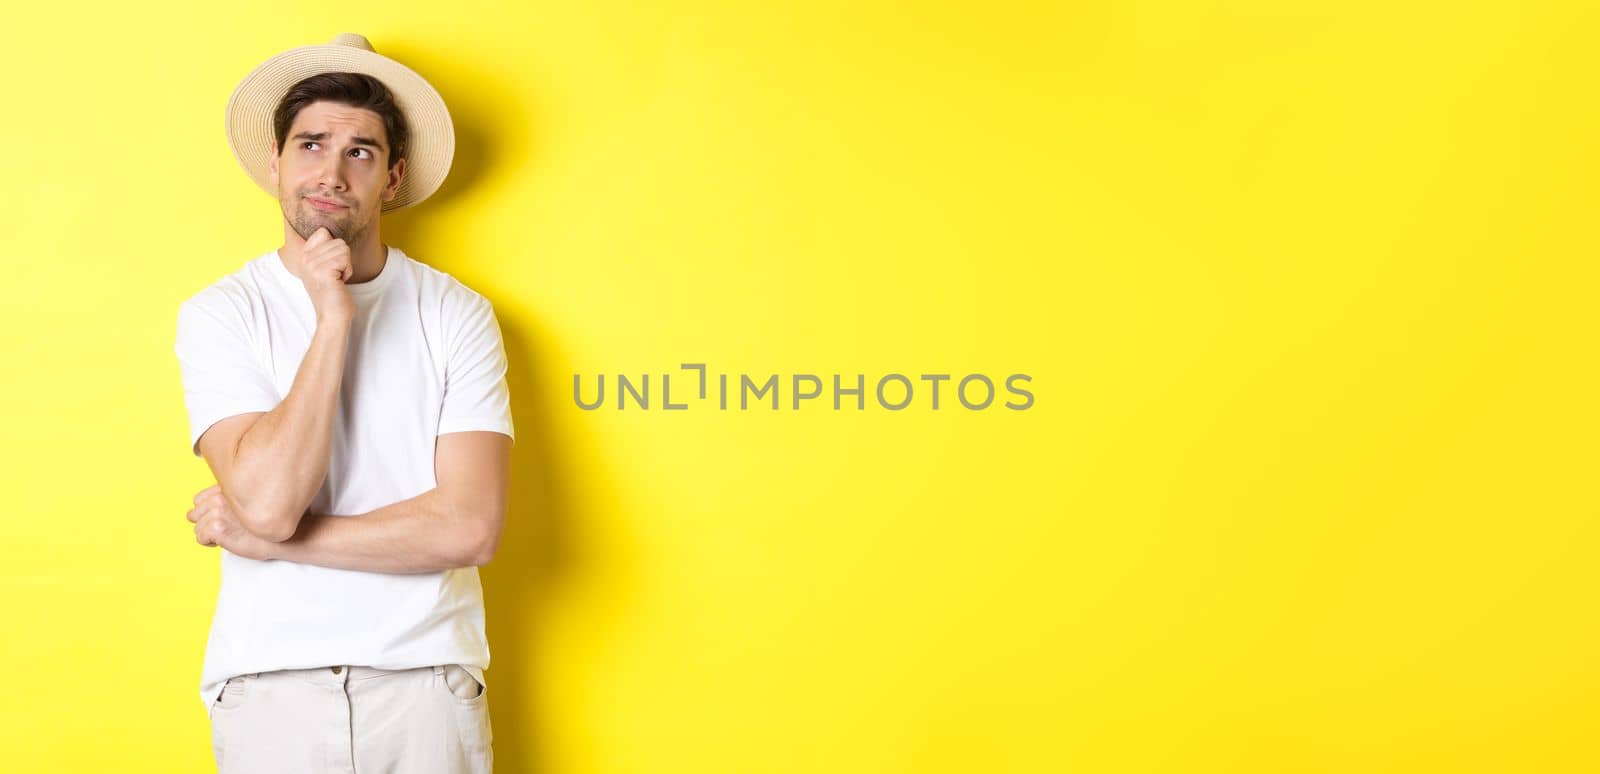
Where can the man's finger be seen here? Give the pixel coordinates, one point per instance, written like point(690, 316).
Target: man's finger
point(202, 493)
point(194, 515)
point(318, 237)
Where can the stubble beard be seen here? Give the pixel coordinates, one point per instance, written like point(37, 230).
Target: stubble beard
point(306, 219)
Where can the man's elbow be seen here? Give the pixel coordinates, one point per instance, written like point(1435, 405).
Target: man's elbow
point(486, 541)
point(271, 526)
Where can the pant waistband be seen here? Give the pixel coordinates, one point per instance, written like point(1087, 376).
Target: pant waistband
point(340, 673)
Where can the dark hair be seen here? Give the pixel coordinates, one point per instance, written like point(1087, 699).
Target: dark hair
point(354, 89)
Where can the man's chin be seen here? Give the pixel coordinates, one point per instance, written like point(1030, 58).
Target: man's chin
point(307, 224)
point(305, 230)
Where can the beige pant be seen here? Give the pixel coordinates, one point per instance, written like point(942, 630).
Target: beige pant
point(355, 720)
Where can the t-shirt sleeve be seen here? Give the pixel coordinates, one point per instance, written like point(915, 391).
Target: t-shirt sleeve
point(476, 396)
point(221, 377)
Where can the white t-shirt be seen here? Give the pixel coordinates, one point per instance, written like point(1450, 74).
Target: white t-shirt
point(424, 357)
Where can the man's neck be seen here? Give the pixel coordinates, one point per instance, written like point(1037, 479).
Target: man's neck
point(366, 258)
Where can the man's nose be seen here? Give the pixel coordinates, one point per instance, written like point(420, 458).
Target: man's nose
point(331, 175)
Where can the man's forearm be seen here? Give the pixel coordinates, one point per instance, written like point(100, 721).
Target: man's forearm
point(426, 533)
point(282, 459)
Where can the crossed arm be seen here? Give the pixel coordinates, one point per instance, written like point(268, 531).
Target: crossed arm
point(456, 524)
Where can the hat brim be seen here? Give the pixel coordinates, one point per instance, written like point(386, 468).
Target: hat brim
point(431, 140)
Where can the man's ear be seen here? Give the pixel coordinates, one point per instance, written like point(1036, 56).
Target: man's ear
point(273, 165)
point(397, 173)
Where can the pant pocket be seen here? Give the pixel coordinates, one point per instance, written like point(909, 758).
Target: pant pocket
point(463, 686)
point(232, 695)
point(468, 702)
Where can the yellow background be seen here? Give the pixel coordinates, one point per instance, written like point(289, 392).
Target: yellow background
point(1306, 290)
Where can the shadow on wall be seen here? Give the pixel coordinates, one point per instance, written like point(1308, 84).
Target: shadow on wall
point(539, 554)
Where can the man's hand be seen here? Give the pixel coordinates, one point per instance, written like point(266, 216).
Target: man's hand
point(215, 524)
point(325, 266)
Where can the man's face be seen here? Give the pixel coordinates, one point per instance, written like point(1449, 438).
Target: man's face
point(333, 171)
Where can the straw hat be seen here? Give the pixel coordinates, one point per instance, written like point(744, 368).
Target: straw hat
point(432, 137)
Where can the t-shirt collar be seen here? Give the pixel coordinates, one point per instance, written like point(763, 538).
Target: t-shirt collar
point(360, 289)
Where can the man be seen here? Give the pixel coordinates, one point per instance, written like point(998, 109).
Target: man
point(352, 404)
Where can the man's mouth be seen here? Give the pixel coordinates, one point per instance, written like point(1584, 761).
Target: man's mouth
point(325, 204)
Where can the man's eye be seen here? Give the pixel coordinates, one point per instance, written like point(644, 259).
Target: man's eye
point(307, 145)
point(362, 150)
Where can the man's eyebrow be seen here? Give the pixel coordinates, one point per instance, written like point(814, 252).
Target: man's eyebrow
point(320, 136)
